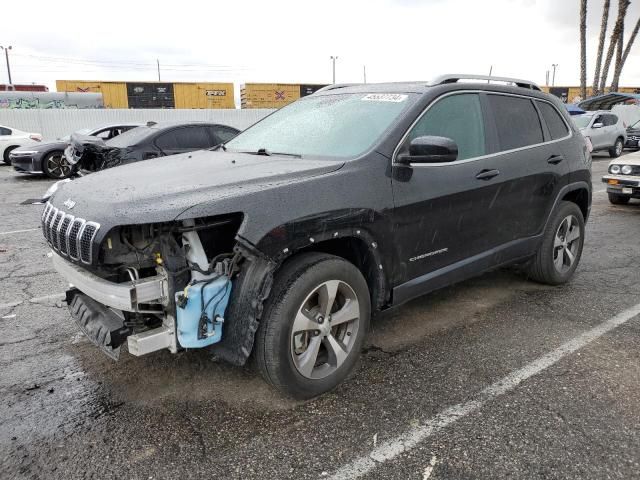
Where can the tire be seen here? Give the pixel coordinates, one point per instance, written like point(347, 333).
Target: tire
point(616, 150)
point(288, 360)
point(616, 199)
point(7, 151)
point(55, 166)
point(552, 264)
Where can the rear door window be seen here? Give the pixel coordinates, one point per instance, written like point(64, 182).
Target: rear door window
point(517, 121)
point(458, 117)
point(185, 138)
point(223, 134)
point(610, 120)
point(556, 125)
point(5, 131)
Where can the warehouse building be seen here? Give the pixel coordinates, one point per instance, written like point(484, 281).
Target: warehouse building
point(155, 94)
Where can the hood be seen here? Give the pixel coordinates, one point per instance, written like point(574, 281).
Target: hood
point(160, 189)
point(631, 159)
point(633, 131)
point(42, 147)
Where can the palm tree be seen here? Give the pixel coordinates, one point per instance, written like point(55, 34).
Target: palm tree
point(613, 42)
point(595, 90)
point(583, 48)
point(623, 59)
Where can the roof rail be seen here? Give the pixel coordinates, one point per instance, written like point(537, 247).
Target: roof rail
point(336, 86)
point(454, 78)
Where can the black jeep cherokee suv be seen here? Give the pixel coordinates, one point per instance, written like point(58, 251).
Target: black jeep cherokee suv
point(282, 243)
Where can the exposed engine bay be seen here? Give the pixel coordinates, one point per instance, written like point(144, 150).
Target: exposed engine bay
point(91, 154)
point(195, 263)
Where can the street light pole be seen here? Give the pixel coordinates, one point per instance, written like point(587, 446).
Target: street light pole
point(6, 56)
point(158, 63)
point(333, 60)
point(553, 78)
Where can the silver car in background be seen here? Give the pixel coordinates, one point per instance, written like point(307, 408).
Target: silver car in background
point(605, 131)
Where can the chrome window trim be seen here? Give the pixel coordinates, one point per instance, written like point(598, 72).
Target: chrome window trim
point(483, 157)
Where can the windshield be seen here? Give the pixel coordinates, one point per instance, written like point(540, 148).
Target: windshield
point(344, 125)
point(635, 125)
point(582, 121)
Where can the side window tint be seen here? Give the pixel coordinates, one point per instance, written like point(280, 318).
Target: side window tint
point(5, 131)
point(458, 117)
point(193, 138)
point(610, 120)
point(516, 120)
point(167, 140)
point(104, 134)
point(552, 118)
point(223, 135)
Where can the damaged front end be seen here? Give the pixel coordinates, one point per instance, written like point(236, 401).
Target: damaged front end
point(91, 154)
point(174, 285)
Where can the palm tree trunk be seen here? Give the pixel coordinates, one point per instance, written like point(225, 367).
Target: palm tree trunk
point(625, 54)
point(595, 90)
point(583, 49)
point(616, 69)
point(613, 42)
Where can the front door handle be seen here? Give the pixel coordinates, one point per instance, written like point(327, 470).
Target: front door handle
point(487, 174)
point(555, 159)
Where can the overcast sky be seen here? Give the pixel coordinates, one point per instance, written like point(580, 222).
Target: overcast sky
point(291, 41)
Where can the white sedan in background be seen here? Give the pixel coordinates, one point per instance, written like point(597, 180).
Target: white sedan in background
point(11, 138)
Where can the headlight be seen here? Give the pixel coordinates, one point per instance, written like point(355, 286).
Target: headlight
point(627, 169)
point(614, 168)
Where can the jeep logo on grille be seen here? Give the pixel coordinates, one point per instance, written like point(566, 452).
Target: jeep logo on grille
point(69, 203)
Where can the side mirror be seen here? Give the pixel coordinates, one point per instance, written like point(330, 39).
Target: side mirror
point(598, 125)
point(430, 149)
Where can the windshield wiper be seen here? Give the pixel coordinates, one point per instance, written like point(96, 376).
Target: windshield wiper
point(263, 151)
point(219, 146)
point(268, 153)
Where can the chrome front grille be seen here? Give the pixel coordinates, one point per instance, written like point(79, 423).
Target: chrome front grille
point(70, 236)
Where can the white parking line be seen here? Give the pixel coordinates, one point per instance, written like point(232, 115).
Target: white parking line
point(390, 449)
point(20, 231)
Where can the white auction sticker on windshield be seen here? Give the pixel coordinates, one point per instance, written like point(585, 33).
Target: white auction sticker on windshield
point(385, 97)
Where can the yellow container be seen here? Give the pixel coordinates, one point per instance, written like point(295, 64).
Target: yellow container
point(204, 95)
point(114, 94)
point(268, 95)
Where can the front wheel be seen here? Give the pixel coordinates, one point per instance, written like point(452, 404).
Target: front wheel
point(56, 166)
point(5, 155)
point(314, 325)
point(559, 253)
point(616, 150)
point(616, 199)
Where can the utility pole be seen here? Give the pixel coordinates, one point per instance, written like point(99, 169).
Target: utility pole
point(553, 80)
point(158, 63)
point(6, 55)
point(490, 72)
point(333, 60)
point(547, 79)
point(364, 73)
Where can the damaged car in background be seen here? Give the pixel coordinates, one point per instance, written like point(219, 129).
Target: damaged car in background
point(90, 153)
point(280, 243)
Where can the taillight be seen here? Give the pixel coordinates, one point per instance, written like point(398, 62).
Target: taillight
point(37, 138)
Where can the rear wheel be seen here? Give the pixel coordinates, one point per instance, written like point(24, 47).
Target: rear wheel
point(616, 199)
point(616, 150)
point(314, 325)
point(5, 156)
point(55, 165)
point(559, 254)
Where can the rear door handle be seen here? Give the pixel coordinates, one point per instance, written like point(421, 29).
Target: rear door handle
point(487, 174)
point(555, 159)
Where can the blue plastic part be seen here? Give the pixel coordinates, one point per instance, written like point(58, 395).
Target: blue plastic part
point(216, 297)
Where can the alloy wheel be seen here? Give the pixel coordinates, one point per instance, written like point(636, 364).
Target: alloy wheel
point(58, 166)
point(566, 244)
point(325, 329)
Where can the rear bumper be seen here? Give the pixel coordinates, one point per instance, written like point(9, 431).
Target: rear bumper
point(127, 296)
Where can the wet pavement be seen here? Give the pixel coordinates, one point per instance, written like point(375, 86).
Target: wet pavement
point(67, 411)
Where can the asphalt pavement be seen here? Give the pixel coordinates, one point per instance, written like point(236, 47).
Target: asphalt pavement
point(496, 377)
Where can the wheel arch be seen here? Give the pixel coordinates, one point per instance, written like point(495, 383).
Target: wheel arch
point(579, 196)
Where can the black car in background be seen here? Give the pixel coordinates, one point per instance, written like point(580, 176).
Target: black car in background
point(633, 136)
point(48, 157)
point(153, 140)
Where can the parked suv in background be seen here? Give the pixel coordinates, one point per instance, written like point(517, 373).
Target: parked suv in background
point(633, 136)
point(149, 141)
point(282, 242)
point(12, 138)
point(48, 157)
point(605, 130)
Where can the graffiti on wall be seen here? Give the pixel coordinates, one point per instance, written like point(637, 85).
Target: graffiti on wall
point(28, 103)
